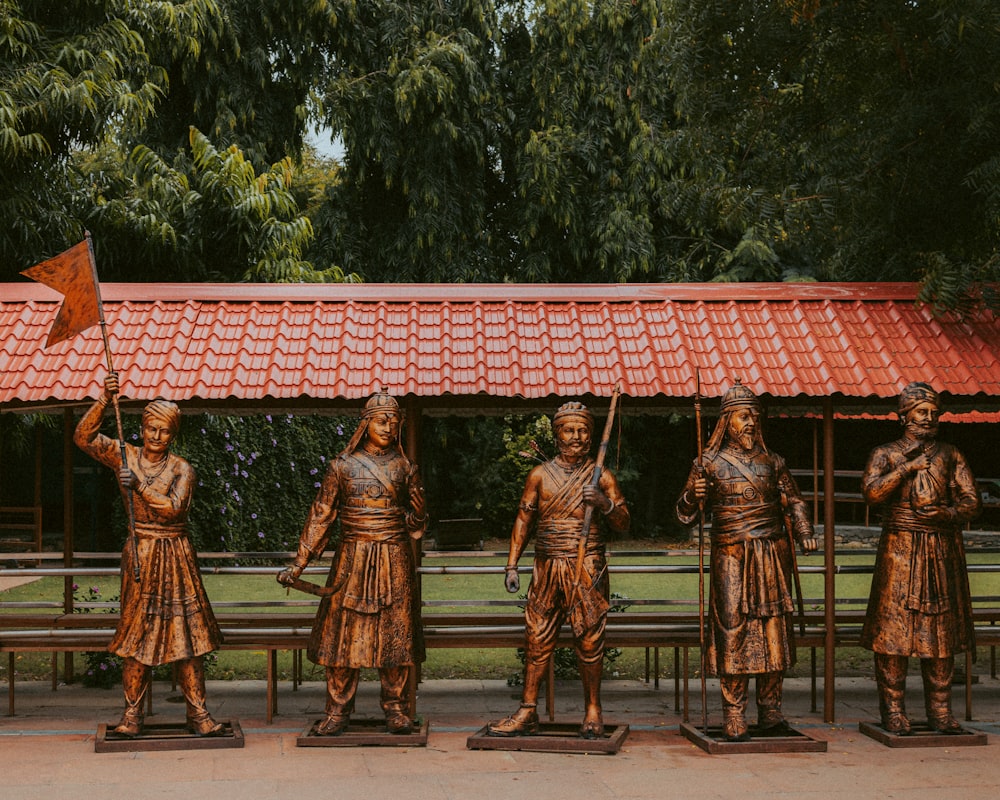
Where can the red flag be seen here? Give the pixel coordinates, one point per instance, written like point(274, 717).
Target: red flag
point(71, 273)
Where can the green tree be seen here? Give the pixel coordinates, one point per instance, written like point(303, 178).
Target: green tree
point(72, 74)
point(586, 112)
point(837, 141)
point(408, 88)
point(208, 215)
point(245, 77)
point(97, 102)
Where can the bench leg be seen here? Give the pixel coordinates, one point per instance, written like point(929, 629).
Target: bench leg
point(55, 671)
point(10, 684)
point(550, 690)
point(812, 677)
point(677, 680)
point(272, 677)
point(968, 686)
point(656, 668)
point(684, 715)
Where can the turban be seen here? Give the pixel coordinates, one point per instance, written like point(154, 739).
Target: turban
point(165, 411)
point(573, 410)
point(914, 394)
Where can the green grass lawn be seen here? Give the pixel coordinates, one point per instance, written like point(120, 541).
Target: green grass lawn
point(676, 591)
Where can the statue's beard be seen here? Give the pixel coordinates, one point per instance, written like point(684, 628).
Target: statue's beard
point(746, 440)
point(922, 431)
point(572, 449)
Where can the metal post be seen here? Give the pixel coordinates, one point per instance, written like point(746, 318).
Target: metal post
point(829, 563)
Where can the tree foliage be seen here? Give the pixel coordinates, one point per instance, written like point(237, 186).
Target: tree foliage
point(508, 140)
point(850, 140)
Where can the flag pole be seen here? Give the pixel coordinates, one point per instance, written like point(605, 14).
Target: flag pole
point(129, 500)
point(701, 557)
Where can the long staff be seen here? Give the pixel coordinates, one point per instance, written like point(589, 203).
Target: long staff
point(701, 558)
point(588, 513)
point(129, 501)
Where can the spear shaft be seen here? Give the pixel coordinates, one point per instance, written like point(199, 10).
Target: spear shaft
point(701, 558)
point(588, 513)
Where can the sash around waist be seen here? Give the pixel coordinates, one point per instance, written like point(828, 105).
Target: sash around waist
point(147, 531)
point(563, 540)
point(730, 526)
point(902, 519)
point(377, 537)
point(373, 524)
point(724, 538)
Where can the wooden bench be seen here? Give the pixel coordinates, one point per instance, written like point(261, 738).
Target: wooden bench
point(78, 633)
point(269, 630)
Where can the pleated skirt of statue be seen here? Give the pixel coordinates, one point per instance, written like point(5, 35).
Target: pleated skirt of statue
point(369, 620)
point(165, 615)
point(750, 625)
point(920, 603)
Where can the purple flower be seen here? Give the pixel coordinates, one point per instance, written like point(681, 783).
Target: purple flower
point(313, 471)
point(340, 430)
point(260, 534)
point(317, 485)
point(253, 515)
point(244, 473)
point(267, 417)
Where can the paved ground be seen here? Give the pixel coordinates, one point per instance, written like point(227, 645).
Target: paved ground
point(48, 750)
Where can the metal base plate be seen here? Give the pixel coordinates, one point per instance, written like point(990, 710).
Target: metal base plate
point(923, 736)
point(788, 741)
point(552, 737)
point(366, 733)
point(158, 736)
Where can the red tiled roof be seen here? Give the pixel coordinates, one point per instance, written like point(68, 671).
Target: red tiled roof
point(257, 344)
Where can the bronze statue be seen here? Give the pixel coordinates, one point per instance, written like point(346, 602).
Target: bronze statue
point(756, 512)
point(367, 617)
point(570, 577)
point(920, 602)
point(165, 613)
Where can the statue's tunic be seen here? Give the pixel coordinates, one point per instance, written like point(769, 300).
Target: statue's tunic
point(750, 592)
point(165, 616)
point(554, 594)
point(920, 603)
point(369, 620)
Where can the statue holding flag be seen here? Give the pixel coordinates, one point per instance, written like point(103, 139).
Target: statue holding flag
point(165, 613)
point(570, 576)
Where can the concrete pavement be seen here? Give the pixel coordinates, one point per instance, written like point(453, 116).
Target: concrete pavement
point(48, 750)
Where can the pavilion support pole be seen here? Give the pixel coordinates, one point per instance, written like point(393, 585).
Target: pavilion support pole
point(829, 563)
point(414, 424)
point(68, 544)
